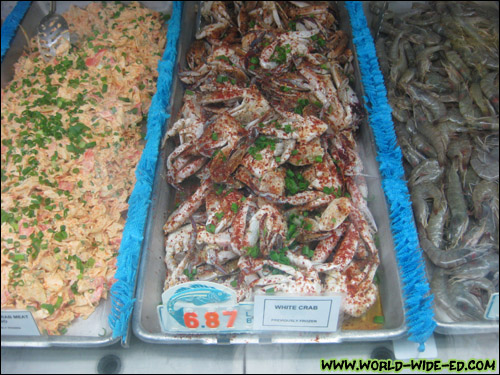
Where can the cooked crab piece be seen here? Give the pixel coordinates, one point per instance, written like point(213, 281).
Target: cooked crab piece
point(278, 55)
point(302, 282)
point(197, 54)
point(359, 297)
point(182, 164)
point(223, 132)
point(335, 214)
point(323, 174)
point(188, 129)
point(187, 208)
point(221, 239)
point(338, 46)
point(239, 225)
point(215, 11)
point(344, 254)
point(359, 199)
point(273, 181)
point(268, 13)
point(221, 208)
point(318, 13)
point(252, 108)
point(306, 153)
point(325, 91)
point(325, 247)
point(268, 227)
point(343, 150)
point(177, 242)
point(260, 162)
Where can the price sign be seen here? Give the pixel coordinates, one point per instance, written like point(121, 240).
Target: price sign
point(491, 312)
point(204, 307)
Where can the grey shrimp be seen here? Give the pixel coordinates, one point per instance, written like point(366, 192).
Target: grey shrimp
point(458, 207)
point(419, 196)
point(452, 257)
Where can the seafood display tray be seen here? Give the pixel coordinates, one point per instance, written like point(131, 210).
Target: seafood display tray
point(152, 270)
point(95, 331)
point(443, 326)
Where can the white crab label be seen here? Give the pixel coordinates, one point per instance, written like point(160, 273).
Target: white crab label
point(311, 314)
point(18, 323)
point(491, 312)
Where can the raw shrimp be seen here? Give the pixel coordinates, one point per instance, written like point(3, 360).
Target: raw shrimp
point(452, 257)
point(440, 289)
point(485, 191)
point(434, 105)
point(419, 195)
point(423, 146)
point(485, 163)
point(427, 171)
point(460, 150)
point(436, 223)
point(436, 135)
point(458, 208)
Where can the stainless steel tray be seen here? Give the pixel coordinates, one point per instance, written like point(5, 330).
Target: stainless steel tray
point(152, 269)
point(94, 331)
point(444, 327)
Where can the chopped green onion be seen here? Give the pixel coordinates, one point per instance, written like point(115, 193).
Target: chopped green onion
point(253, 251)
point(222, 57)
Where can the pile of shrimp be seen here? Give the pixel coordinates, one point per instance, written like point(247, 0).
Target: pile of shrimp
point(266, 137)
point(441, 70)
point(71, 139)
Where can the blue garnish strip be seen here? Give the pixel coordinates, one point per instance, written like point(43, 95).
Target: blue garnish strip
point(122, 291)
point(9, 27)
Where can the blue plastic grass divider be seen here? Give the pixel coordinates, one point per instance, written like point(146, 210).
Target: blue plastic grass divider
point(9, 27)
point(122, 291)
point(416, 291)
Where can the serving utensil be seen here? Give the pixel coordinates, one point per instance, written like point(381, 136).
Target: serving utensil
point(52, 34)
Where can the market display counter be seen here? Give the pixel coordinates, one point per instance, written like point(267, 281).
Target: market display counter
point(279, 359)
point(138, 356)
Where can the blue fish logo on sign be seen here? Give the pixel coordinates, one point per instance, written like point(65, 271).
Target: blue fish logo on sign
point(198, 295)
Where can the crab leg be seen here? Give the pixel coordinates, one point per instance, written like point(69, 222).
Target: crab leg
point(187, 208)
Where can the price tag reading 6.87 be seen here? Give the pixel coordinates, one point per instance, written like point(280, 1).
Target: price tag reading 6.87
point(192, 321)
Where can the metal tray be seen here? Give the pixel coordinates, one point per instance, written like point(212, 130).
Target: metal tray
point(95, 331)
point(444, 327)
point(152, 269)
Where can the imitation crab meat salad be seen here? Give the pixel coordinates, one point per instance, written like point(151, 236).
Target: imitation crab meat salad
point(265, 143)
point(71, 139)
